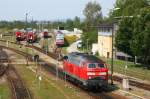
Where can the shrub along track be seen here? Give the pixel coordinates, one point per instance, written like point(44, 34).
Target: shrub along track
point(19, 91)
point(51, 68)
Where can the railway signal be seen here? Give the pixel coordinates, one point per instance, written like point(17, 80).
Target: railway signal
point(36, 59)
point(27, 54)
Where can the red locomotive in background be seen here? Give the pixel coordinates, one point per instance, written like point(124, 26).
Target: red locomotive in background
point(29, 35)
point(59, 38)
point(20, 35)
point(86, 70)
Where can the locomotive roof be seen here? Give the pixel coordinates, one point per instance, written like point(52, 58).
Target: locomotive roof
point(84, 57)
point(59, 32)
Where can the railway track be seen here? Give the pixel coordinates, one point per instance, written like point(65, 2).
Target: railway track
point(19, 91)
point(51, 68)
point(101, 94)
point(116, 78)
point(133, 83)
point(3, 68)
point(3, 62)
point(18, 88)
point(54, 55)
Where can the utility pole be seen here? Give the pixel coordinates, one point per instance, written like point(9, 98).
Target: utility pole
point(87, 44)
point(26, 39)
point(112, 55)
point(26, 19)
point(57, 69)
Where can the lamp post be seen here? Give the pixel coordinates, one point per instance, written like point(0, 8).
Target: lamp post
point(125, 81)
point(112, 50)
point(112, 54)
point(26, 19)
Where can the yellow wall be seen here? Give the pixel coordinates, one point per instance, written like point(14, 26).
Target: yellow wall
point(105, 45)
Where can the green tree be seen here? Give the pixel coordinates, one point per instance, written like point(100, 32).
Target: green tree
point(128, 7)
point(93, 17)
point(93, 13)
point(132, 36)
point(140, 40)
point(77, 22)
point(69, 24)
point(124, 36)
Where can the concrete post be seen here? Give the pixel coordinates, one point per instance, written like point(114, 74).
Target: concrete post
point(135, 60)
point(125, 83)
point(1, 35)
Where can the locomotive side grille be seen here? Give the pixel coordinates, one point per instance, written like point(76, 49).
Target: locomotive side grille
point(91, 73)
point(103, 73)
point(96, 73)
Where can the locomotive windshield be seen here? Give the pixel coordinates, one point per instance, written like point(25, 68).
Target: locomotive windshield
point(101, 65)
point(92, 65)
point(95, 65)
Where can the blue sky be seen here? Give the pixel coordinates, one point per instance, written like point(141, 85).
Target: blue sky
point(47, 9)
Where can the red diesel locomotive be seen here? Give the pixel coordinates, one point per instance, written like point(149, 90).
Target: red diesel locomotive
point(31, 37)
point(86, 70)
point(20, 35)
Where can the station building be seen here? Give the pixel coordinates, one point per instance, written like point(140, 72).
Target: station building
point(104, 45)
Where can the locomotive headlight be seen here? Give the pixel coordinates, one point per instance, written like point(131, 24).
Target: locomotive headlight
point(103, 73)
point(90, 77)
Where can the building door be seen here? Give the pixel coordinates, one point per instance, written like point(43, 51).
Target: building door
point(108, 54)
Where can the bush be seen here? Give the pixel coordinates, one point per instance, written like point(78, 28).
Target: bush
point(70, 39)
point(97, 53)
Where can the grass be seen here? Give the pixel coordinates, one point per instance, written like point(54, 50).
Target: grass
point(5, 92)
point(49, 87)
point(10, 38)
point(133, 70)
point(64, 50)
point(45, 91)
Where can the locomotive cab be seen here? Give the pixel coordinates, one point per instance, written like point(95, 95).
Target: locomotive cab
point(97, 74)
point(30, 37)
point(18, 36)
point(65, 57)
